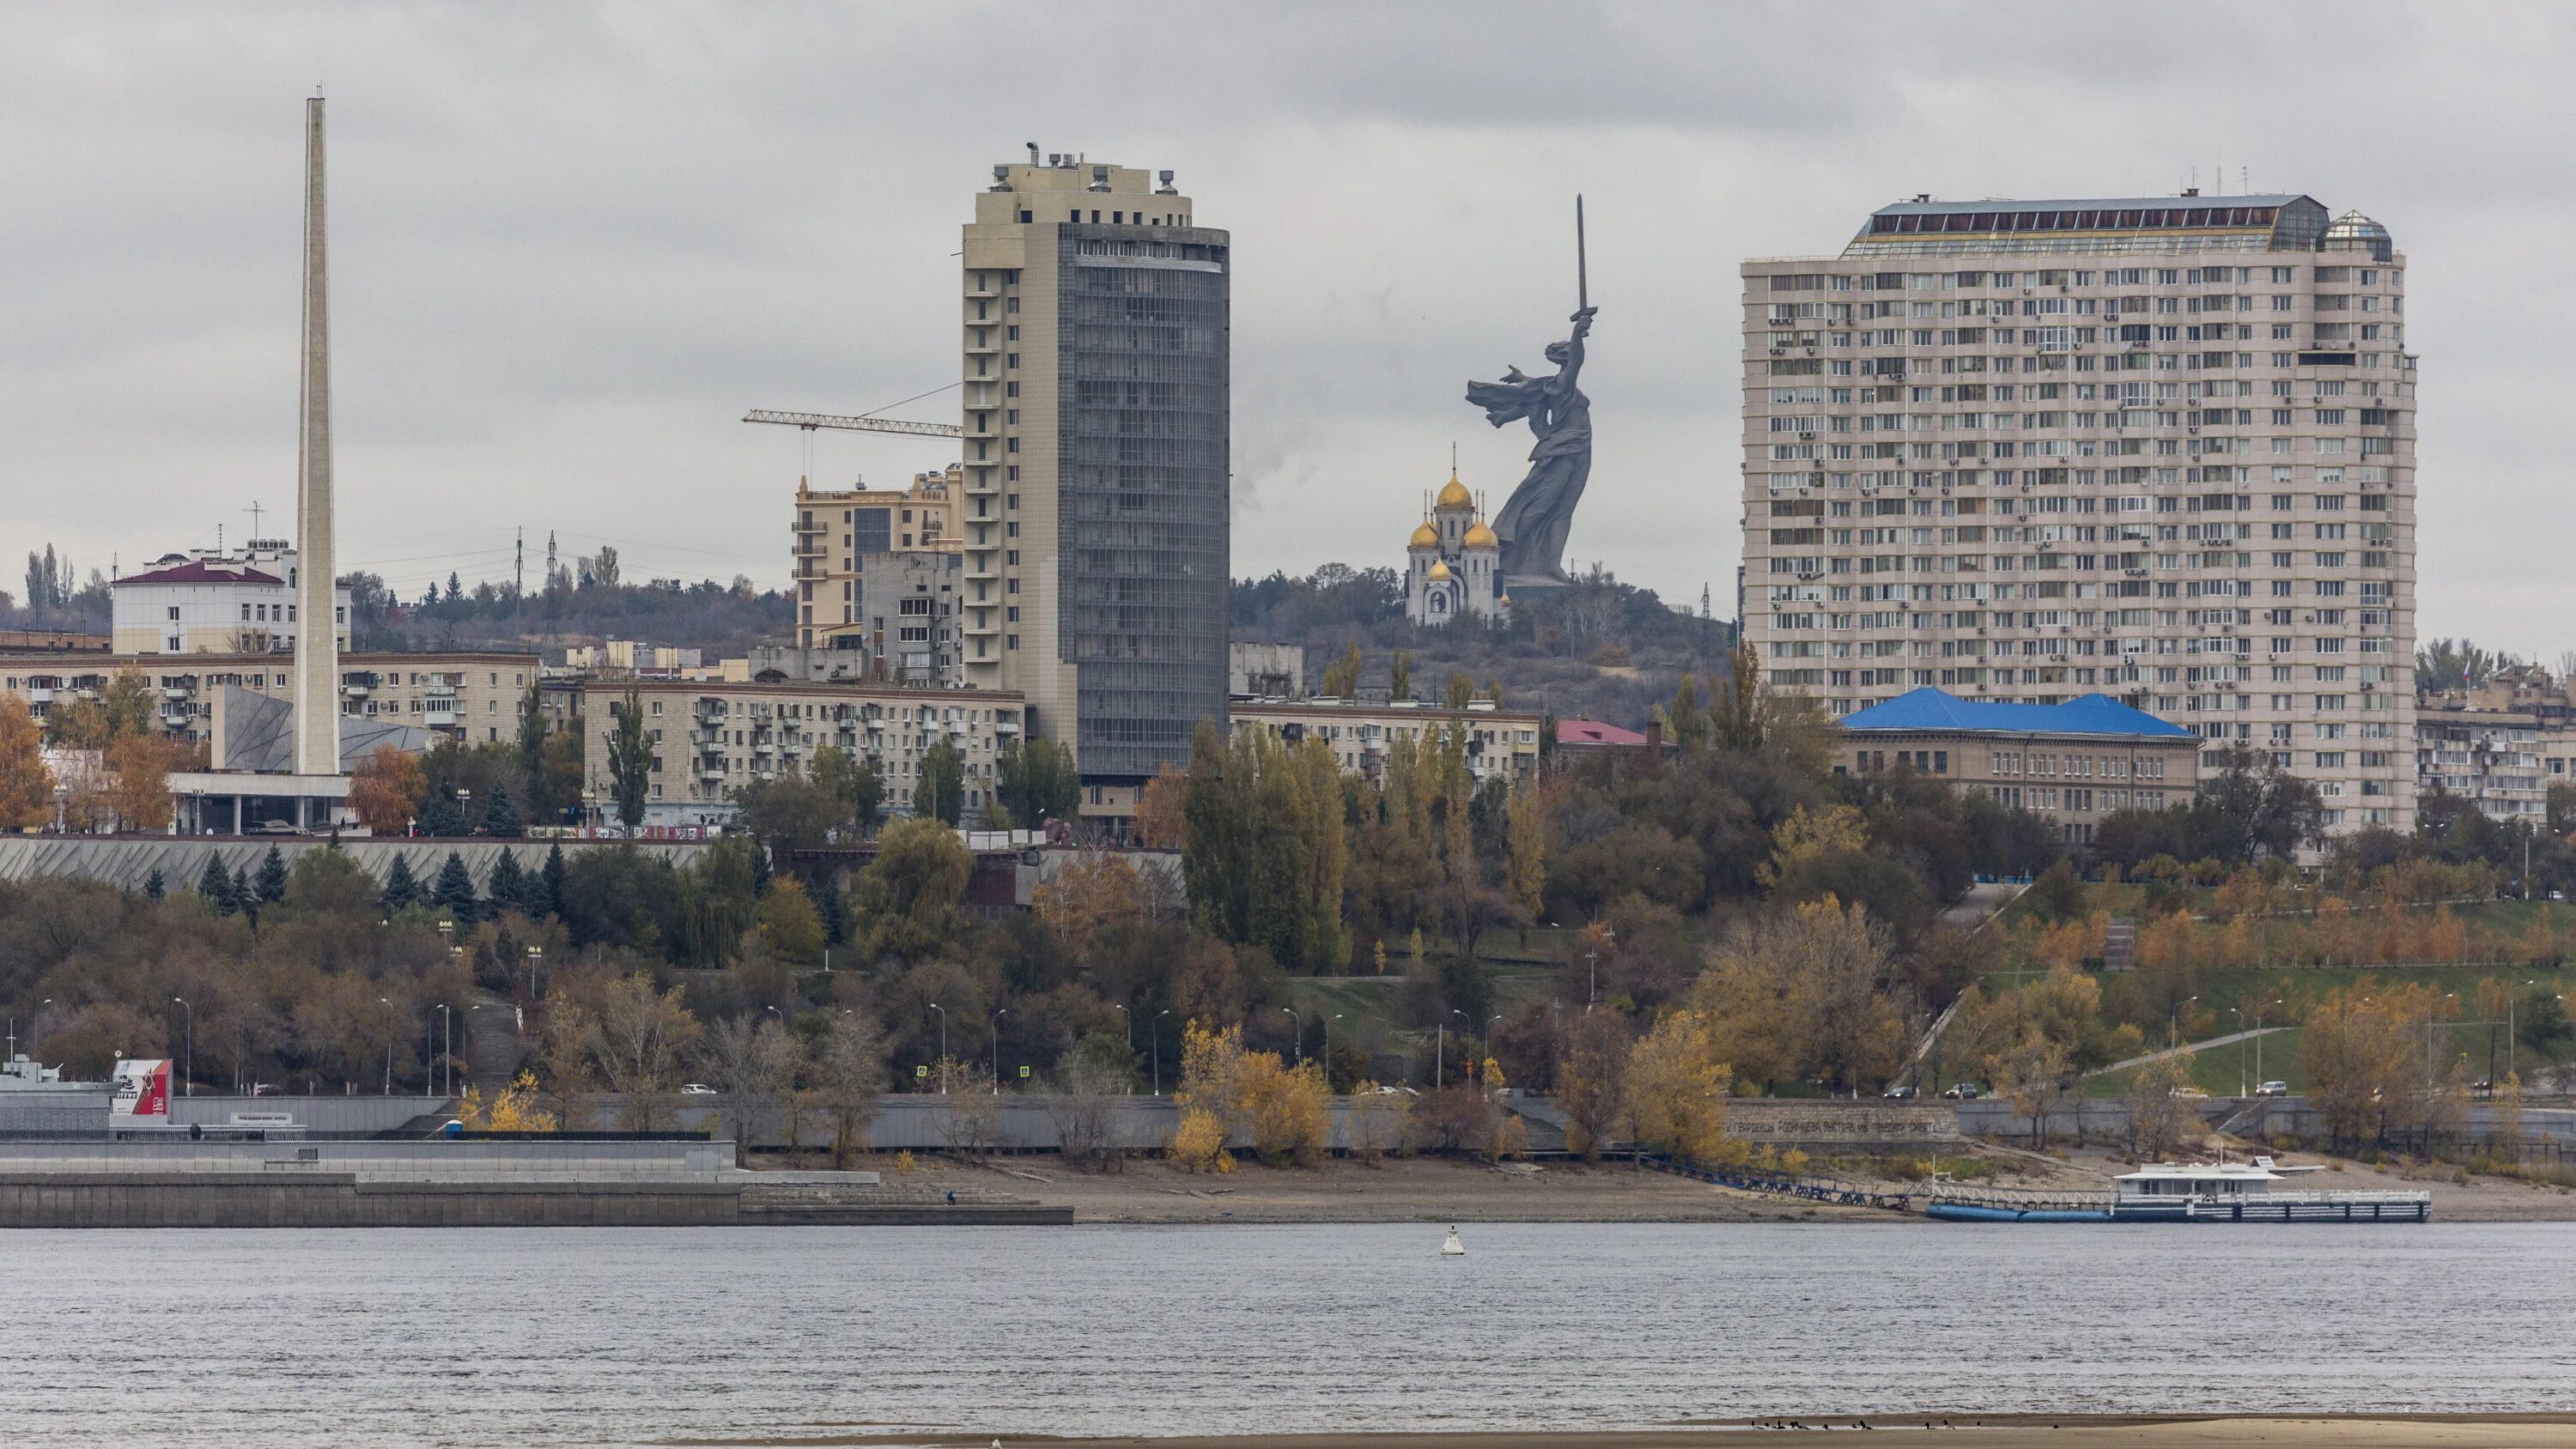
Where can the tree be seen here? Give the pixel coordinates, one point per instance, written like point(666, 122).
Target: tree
point(507, 882)
point(551, 882)
point(1458, 693)
point(270, 887)
point(1084, 1106)
point(630, 758)
point(401, 889)
point(789, 814)
point(532, 753)
point(1091, 892)
point(1399, 679)
point(639, 1036)
point(26, 782)
point(907, 897)
point(441, 817)
point(1675, 1101)
point(454, 891)
point(849, 1072)
point(853, 781)
point(1526, 862)
point(1288, 1113)
point(1592, 1084)
point(153, 886)
point(139, 789)
point(941, 793)
point(1037, 781)
point(216, 886)
point(385, 790)
point(788, 923)
point(753, 1061)
point(2158, 1113)
point(1161, 821)
point(1342, 676)
point(500, 817)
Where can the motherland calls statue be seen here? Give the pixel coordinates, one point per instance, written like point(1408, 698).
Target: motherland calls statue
point(1533, 524)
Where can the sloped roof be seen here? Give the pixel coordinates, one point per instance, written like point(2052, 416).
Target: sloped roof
point(1933, 709)
point(198, 571)
point(1594, 732)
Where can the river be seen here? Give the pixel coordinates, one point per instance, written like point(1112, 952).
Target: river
point(585, 1336)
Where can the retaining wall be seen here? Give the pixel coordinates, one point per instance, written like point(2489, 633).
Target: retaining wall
point(127, 861)
point(340, 1200)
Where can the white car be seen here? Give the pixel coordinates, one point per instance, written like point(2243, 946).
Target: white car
point(699, 1089)
point(2271, 1089)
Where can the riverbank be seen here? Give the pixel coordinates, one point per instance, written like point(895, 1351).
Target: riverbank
point(1433, 1189)
point(2004, 1431)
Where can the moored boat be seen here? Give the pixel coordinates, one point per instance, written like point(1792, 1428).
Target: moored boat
point(2197, 1192)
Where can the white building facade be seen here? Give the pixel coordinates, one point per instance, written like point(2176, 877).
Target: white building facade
point(2161, 449)
point(214, 603)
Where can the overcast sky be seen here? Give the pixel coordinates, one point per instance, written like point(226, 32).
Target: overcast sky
point(572, 244)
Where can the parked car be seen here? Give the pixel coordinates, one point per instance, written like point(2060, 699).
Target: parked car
point(2189, 1091)
point(1900, 1094)
point(1964, 1092)
point(2271, 1089)
point(698, 1089)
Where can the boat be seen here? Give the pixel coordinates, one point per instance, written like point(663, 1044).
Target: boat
point(1453, 1248)
point(2197, 1192)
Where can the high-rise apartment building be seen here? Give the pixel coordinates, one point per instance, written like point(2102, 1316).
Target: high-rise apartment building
point(1096, 437)
point(2160, 449)
point(837, 529)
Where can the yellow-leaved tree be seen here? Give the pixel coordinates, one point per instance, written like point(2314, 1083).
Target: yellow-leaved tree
point(1288, 1113)
point(1209, 1097)
point(26, 782)
point(515, 1110)
point(1675, 1099)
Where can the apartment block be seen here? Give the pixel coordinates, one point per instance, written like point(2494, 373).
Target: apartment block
point(471, 698)
point(837, 530)
point(209, 602)
point(1094, 329)
point(1501, 744)
point(712, 739)
point(2162, 449)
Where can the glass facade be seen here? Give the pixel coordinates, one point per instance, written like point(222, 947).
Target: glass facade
point(1142, 489)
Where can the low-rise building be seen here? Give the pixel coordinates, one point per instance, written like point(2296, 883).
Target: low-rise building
point(205, 602)
point(712, 738)
point(472, 698)
point(1501, 744)
point(2070, 763)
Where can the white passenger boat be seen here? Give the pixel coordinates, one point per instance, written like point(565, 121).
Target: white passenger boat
point(2193, 1192)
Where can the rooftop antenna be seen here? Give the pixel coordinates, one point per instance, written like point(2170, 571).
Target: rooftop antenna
point(254, 512)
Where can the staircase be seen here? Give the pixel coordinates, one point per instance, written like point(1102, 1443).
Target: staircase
point(492, 1047)
point(2120, 945)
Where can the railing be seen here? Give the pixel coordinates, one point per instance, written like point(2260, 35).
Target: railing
point(1787, 1184)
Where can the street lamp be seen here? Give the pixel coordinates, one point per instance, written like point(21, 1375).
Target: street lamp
point(2173, 1022)
point(1440, 1049)
point(943, 1046)
point(446, 1050)
point(1592, 997)
point(188, 1056)
point(998, 1013)
point(389, 1052)
point(1301, 1033)
point(1154, 1032)
point(2239, 1013)
point(535, 954)
point(1127, 1028)
point(1327, 1024)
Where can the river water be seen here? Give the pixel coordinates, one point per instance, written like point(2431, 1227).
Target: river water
point(633, 1336)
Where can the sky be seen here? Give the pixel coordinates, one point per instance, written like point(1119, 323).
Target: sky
point(572, 244)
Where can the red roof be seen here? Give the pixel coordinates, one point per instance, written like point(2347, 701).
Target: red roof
point(198, 571)
point(1593, 732)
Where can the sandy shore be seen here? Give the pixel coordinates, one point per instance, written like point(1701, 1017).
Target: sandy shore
point(1446, 1190)
point(2028, 1431)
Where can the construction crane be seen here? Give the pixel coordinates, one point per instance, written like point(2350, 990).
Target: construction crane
point(811, 421)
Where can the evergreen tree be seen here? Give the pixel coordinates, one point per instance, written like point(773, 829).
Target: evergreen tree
point(270, 888)
point(759, 869)
point(153, 889)
point(532, 753)
point(500, 816)
point(835, 909)
point(244, 898)
point(630, 758)
point(440, 815)
point(401, 887)
point(552, 880)
point(454, 892)
point(216, 885)
point(506, 884)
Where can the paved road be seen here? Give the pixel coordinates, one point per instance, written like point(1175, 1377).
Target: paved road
point(2230, 1039)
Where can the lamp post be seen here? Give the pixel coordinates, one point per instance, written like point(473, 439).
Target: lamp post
point(943, 1046)
point(2258, 1038)
point(446, 1050)
point(1489, 1032)
point(188, 1053)
point(1328, 1049)
point(1301, 1033)
point(535, 954)
point(2173, 1022)
point(2239, 1014)
point(1127, 1028)
point(998, 1013)
point(389, 1051)
point(1154, 1031)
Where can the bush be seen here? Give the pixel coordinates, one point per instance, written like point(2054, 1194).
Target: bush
point(1198, 1144)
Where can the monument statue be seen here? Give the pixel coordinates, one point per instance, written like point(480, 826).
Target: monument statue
point(1535, 520)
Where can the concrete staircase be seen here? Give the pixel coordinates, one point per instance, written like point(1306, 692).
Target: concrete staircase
point(493, 1047)
point(2120, 945)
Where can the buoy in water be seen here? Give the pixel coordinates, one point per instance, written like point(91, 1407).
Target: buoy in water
point(1453, 1248)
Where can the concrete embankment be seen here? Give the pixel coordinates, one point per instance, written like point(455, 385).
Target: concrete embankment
point(343, 1200)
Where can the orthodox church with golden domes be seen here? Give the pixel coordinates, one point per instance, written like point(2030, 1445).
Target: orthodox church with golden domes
point(1453, 567)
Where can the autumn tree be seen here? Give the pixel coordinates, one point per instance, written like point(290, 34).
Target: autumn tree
point(630, 758)
point(138, 766)
point(26, 782)
point(849, 1071)
point(2159, 1115)
point(1161, 819)
point(1805, 992)
point(1286, 1112)
point(1675, 1099)
point(386, 789)
point(906, 901)
point(1526, 863)
point(1092, 890)
point(1592, 1083)
point(638, 1038)
point(1036, 781)
point(940, 793)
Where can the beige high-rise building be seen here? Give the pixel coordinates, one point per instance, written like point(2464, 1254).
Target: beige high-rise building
point(837, 528)
point(2160, 449)
point(1094, 327)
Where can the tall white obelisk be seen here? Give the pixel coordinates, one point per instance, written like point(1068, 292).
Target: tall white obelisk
point(317, 633)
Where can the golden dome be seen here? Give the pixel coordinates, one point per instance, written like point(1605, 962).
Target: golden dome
point(1454, 494)
point(1439, 572)
point(1479, 536)
point(1425, 536)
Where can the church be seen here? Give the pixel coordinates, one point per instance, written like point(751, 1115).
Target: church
point(1454, 564)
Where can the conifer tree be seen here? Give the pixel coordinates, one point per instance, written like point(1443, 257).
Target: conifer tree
point(153, 889)
point(216, 885)
point(270, 888)
point(507, 883)
point(500, 816)
point(401, 887)
point(454, 892)
point(552, 878)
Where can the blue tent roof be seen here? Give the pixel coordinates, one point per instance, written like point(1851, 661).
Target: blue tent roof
point(1932, 709)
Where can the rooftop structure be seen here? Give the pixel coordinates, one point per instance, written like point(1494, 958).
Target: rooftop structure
point(2070, 763)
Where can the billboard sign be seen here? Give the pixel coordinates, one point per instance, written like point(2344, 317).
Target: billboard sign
point(142, 1088)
